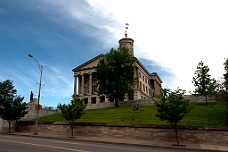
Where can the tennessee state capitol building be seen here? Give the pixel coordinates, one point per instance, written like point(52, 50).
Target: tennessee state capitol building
point(85, 84)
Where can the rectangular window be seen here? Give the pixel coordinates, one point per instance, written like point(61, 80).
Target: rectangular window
point(93, 100)
point(140, 85)
point(94, 89)
point(102, 99)
point(85, 100)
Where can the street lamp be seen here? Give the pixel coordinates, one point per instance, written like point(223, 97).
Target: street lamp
point(38, 102)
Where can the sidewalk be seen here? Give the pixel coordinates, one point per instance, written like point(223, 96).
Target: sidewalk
point(202, 147)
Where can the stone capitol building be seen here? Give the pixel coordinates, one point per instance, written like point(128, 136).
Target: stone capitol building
point(85, 85)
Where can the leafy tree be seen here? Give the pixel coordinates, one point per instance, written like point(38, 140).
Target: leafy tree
point(226, 74)
point(172, 107)
point(203, 82)
point(20, 108)
point(7, 91)
point(72, 112)
point(115, 75)
point(13, 110)
point(12, 107)
point(222, 92)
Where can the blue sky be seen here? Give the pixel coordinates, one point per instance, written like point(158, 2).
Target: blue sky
point(171, 37)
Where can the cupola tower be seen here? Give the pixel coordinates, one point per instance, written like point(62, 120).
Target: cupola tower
point(127, 42)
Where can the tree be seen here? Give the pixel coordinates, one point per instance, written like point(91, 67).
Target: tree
point(222, 90)
point(226, 74)
point(7, 91)
point(13, 110)
point(72, 112)
point(115, 75)
point(12, 106)
point(19, 108)
point(172, 107)
point(203, 82)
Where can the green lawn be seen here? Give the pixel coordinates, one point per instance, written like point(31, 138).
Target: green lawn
point(200, 115)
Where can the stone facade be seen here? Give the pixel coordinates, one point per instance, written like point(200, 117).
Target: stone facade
point(85, 84)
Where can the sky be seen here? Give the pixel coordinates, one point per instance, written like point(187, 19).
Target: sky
point(170, 37)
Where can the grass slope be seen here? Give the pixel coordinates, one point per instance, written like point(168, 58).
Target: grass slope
point(200, 115)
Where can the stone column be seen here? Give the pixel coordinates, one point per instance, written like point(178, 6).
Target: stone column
point(90, 83)
point(82, 84)
point(75, 85)
point(79, 85)
point(89, 100)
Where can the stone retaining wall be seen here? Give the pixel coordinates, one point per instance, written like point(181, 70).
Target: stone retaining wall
point(32, 113)
point(194, 98)
point(121, 103)
point(187, 135)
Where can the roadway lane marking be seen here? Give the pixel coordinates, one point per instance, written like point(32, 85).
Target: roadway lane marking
point(45, 146)
point(63, 142)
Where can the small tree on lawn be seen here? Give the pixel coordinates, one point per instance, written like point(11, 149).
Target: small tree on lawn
point(72, 111)
point(203, 82)
point(172, 107)
point(115, 74)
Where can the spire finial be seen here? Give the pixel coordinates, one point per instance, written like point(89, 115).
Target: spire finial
point(126, 28)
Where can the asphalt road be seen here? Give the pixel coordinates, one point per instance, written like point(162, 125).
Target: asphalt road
point(13, 143)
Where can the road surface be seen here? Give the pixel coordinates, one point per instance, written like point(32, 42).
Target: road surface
point(13, 143)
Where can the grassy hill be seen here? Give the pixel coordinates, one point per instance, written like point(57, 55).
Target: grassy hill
point(200, 115)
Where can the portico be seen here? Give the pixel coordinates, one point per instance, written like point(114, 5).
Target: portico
point(85, 87)
point(85, 83)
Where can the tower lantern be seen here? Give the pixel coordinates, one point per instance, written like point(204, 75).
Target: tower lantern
point(127, 42)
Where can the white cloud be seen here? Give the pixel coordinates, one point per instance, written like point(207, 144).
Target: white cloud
point(177, 34)
point(174, 34)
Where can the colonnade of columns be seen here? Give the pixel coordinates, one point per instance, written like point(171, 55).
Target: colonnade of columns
point(85, 86)
point(84, 83)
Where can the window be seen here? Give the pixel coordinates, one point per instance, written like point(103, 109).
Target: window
point(94, 89)
point(102, 99)
point(93, 100)
point(85, 100)
point(140, 85)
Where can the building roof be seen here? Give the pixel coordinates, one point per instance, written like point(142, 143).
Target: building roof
point(88, 62)
point(80, 67)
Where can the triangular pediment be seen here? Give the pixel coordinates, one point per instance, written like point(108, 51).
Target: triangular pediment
point(89, 64)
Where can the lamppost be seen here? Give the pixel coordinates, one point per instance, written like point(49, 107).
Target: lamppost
point(38, 102)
